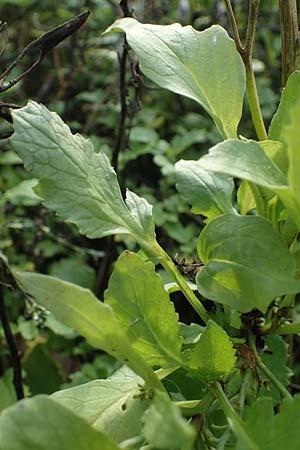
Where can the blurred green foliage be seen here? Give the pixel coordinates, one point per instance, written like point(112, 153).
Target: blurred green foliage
point(79, 80)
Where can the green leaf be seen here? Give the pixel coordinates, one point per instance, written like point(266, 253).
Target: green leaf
point(282, 118)
point(22, 194)
point(80, 310)
point(7, 391)
point(276, 360)
point(247, 263)
point(109, 405)
point(291, 138)
point(75, 270)
point(75, 181)
point(165, 428)
point(40, 423)
point(273, 432)
point(192, 63)
point(249, 161)
point(213, 356)
point(43, 374)
point(245, 198)
point(136, 294)
point(209, 193)
point(246, 160)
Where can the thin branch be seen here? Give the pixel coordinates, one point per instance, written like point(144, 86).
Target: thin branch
point(234, 26)
point(251, 27)
point(14, 352)
point(289, 31)
point(120, 138)
point(246, 54)
point(3, 27)
point(120, 143)
point(43, 44)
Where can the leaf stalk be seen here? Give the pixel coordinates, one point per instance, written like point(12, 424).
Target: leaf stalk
point(236, 423)
point(155, 250)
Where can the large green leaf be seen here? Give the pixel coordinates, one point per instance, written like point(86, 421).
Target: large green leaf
point(291, 137)
point(246, 160)
point(247, 263)
point(213, 356)
point(165, 428)
point(209, 193)
point(109, 405)
point(269, 432)
point(80, 310)
point(282, 118)
point(40, 423)
point(204, 66)
point(75, 181)
point(136, 294)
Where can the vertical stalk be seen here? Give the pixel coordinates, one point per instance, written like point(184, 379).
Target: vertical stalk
point(254, 105)
point(289, 30)
point(236, 423)
point(246, 54)
point(14, 352)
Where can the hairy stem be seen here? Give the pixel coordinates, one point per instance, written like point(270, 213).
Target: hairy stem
point(236, 423)
point(14, 352)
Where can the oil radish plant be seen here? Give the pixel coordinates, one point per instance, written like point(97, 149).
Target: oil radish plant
point(212, 385)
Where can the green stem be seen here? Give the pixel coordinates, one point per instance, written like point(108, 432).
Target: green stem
point(285, 393)
point(236, 423)
point(261, 206)
point(170, 267)
point(288, 328)
point(254, 105)
point(154, 250)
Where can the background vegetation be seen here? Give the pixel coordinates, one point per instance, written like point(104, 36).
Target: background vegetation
point(80, 79)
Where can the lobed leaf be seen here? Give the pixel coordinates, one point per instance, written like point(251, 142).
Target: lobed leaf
point(213, 356)
point(108, 405)
point(139, 300)
point(40, 423)
point(247, 263)
point(80, 310)
point(75, 181)
point(204, 66)
point(269, 431)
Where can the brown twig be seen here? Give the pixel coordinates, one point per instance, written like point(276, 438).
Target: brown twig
point(119, 145)
point(43, 44)
point(14, 352)
point(289, 30)
point(246, 54)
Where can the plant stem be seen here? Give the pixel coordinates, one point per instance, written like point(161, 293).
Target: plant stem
point(254, 105)
point(289, 31)
point(155, 250)
point(285, 393)
point(246, 54)
point(14, 352)
point(236, 423)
